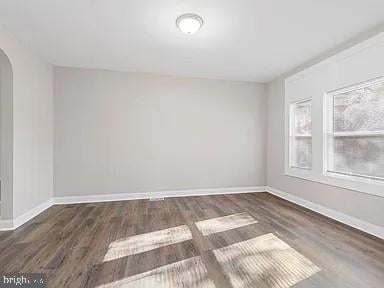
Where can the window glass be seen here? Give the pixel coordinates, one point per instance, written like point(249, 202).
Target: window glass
point(301, 135)
point(356, 140)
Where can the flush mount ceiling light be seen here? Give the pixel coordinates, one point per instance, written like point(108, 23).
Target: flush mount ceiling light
point(189, 23)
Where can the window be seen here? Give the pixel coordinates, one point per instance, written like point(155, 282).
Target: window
point(301, 135)
point(355, 143)
point(345, 146)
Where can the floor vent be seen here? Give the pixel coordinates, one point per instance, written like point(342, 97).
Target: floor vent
point(156, 199)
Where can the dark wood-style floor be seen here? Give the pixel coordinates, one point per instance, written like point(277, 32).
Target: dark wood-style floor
point(71, 244)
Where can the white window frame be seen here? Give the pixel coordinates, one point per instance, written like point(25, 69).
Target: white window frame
point(329, 129)
point(292, 133)
point(354, 65)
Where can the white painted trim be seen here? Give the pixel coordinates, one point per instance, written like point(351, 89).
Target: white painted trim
point(6, 225)
point(158, 194)
point(321, 81)
point(22, 219)
point(343, 218)
point(359, 224)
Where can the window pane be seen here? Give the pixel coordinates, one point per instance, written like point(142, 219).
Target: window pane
point(301, 135)
point(303, 118)
point(362, 156)
point(360, 109)
point(356, 142)
point(303, 152)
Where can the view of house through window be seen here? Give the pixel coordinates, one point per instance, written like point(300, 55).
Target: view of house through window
point(301, 135)
point(356, 131)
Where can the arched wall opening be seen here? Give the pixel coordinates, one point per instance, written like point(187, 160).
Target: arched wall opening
point(6, 137)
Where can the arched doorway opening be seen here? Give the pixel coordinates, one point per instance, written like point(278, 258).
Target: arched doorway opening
point(6, 137)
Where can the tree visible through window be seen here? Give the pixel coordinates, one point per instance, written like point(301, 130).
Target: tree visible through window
point(356, 137)
point(301, 135)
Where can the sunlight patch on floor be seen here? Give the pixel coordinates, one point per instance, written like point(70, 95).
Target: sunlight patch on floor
point(189, 273)
point(264, 261)
point(146, 242)
point(221, 224)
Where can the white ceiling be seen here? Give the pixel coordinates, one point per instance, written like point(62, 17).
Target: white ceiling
point(251, 40)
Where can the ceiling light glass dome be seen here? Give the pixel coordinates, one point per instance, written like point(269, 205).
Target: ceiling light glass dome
point(189, 23)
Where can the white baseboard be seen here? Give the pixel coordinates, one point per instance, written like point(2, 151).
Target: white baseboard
point(20, 220)
point(343, 218)
point(158, 194)
point(6, 225)
point(359, 224)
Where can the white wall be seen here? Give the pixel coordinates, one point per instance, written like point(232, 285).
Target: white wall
point(6, 136)
point(119, 132)
point(358, 64)
point(32, 126)
point(356, 204)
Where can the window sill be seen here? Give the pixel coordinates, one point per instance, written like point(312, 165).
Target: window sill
point(366, 186)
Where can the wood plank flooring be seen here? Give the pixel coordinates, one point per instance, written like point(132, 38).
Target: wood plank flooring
point(228, 241)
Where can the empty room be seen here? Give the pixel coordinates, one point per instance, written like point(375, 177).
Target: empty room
point(191, 143)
